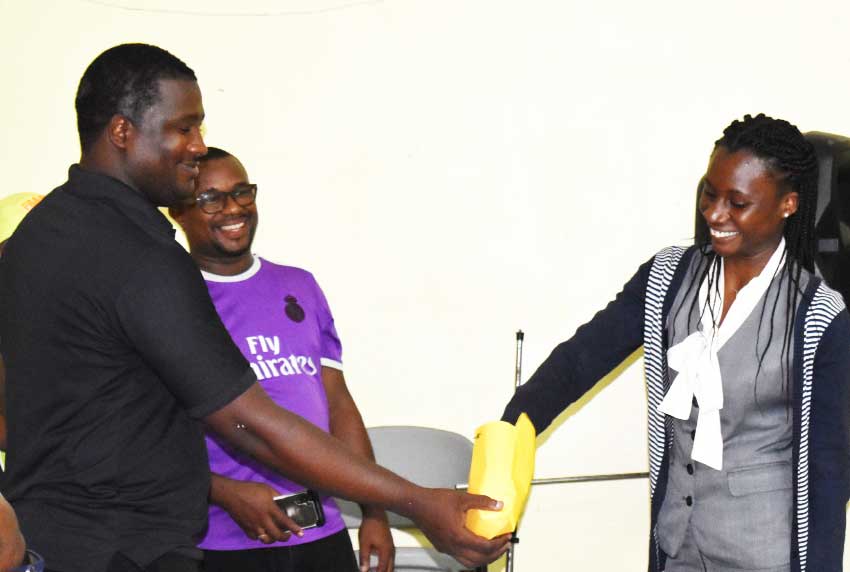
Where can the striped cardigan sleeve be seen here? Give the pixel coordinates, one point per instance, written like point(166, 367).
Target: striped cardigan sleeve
point(823, 477)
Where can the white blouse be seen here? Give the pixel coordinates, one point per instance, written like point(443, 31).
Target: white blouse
point(695, 358)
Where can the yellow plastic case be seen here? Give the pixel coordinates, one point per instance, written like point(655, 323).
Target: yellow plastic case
point(502, 468)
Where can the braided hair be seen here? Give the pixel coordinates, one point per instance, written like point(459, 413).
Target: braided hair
point(792, 162)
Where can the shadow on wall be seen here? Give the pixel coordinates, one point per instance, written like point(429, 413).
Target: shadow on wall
point(596, 390)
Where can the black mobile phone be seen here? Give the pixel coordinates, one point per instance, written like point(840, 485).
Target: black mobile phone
point(305, 508)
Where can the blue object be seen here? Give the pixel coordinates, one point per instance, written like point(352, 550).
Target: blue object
point(32, 563)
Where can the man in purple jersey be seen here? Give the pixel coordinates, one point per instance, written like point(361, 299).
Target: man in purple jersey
point(279, 318)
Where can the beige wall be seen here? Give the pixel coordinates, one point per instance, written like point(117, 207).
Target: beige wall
point(454, 170)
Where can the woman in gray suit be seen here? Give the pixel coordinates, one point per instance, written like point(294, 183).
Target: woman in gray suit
point(747, 357)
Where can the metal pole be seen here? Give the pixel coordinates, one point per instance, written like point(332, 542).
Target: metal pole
point(509, 555)
point(581, 479)
point(590, 478)
point(518, 360)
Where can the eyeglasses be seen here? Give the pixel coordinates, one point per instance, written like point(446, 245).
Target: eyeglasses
point(212, 201)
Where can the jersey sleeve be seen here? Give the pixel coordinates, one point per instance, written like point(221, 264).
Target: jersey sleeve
point(331, 347)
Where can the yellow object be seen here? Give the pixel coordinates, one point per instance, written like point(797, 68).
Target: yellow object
point(13, 209)
point(502, 468)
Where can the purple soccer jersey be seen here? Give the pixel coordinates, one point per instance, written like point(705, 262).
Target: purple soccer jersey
point(279, 318)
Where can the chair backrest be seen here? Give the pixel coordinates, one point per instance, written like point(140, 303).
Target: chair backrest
point(428, 457)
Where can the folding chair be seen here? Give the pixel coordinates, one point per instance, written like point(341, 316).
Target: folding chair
point(427, 457)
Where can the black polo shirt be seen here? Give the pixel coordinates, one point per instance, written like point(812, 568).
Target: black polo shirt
point(113, 353)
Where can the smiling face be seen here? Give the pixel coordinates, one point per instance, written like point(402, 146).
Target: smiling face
point(221, 242)
point(164, 145)
point(744, 204)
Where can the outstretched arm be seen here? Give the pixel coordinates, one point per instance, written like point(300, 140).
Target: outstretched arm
point(219, 387)
point(306, 454)
point(575, 365)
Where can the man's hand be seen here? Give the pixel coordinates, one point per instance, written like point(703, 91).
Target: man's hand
point(252, 507)
point(375, 538)
point(441, 514)
point(12, 545)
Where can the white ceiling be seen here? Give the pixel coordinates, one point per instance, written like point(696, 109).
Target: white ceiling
point(231, 8)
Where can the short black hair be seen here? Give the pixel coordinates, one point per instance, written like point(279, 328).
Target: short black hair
point(215, 153)
point(123, 80)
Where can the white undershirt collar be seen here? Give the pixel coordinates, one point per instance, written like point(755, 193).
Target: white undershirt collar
point(242, 276)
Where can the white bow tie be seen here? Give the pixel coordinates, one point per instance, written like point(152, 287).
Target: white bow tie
point(695, 358)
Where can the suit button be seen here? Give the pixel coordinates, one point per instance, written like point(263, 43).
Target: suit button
point(690, 468)
point(689, 501)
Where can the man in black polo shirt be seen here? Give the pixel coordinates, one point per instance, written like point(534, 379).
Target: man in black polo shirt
point(114, 353)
